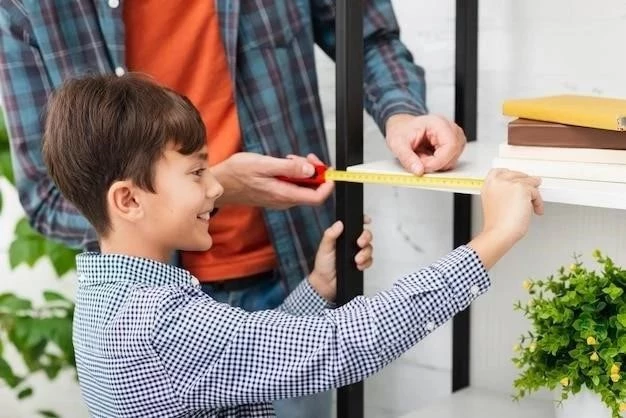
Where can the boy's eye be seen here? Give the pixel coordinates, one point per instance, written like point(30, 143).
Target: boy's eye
point(198, 172)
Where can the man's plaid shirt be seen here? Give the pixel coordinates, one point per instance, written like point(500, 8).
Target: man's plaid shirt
point(270, 50)
point(150, 343)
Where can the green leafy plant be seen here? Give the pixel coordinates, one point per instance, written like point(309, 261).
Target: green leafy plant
point(41, 335)
point(578, 336)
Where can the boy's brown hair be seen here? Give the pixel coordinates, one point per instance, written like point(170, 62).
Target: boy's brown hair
point(101, 129)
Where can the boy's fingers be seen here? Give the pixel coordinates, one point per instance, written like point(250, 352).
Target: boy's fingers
point(364, 239)
point(366, 265)
point(330, 237)
point(364, 255)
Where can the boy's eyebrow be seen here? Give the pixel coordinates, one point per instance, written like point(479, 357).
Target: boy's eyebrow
point(203, 156)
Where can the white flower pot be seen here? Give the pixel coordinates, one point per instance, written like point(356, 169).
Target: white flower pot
point(585, 404)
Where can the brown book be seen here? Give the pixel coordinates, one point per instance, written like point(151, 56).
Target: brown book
point(549, 134)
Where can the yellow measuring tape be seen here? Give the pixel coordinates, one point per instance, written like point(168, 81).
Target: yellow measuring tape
point(427, 180)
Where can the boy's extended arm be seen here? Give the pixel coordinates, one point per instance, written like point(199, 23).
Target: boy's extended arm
point(220, 356)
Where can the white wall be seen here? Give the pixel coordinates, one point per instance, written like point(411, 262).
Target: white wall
point(526, 48)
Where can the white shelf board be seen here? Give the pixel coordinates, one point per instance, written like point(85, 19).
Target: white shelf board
point(476, 162)
point(477, 403)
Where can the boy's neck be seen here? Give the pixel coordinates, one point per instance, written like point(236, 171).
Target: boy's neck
point(134, 246)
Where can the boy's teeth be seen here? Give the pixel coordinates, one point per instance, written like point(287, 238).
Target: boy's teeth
point(205, 216)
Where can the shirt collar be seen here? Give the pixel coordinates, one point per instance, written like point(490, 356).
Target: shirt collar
point(93, 267)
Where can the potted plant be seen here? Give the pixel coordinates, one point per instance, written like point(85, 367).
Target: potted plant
point(577, 345)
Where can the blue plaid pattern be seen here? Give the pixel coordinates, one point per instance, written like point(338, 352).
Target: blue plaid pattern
point(270, 50)
point(150, 343)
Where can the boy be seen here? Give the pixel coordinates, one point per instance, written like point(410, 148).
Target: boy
point(130, 155)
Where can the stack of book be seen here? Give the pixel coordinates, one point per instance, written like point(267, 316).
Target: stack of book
point(567, 136)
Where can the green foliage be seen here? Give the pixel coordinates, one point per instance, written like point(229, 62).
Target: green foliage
point(578, 336)
point(41, 335)
point(29, 246)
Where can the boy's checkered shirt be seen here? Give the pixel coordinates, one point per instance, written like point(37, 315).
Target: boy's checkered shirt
point(149, 343)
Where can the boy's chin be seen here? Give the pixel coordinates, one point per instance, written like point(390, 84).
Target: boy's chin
point(199, 246)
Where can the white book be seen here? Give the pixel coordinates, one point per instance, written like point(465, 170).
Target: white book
point(565, 169)
point(587, 155)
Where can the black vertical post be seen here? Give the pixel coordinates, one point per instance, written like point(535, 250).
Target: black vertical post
point(465, 102)
point(349, 149)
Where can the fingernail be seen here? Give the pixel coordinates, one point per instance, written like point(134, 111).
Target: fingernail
point(308, 170)
point(416, 168)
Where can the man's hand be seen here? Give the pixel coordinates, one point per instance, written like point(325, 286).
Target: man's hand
point(250, 179)
point(323, 278)
point(425, 144)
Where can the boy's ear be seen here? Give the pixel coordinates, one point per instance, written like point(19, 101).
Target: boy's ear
point(124, 202)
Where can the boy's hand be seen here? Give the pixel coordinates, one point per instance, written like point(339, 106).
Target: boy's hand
point(323, 278)
point(509, 199)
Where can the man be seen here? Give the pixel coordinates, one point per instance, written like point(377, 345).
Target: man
point(248, 66)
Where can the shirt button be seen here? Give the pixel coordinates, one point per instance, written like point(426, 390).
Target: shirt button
point(430, 326)
point(474, 290)
point(119, 71)
point(195, 281)
point(114, 4)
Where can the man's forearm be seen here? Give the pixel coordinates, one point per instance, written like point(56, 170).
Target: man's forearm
point(232, 188)
point(24, 94)
point(394, 84)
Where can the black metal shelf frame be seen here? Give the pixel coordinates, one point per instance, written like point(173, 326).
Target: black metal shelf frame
point(349, 151)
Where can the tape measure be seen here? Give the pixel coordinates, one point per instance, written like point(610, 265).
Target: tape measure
point(323, 173)
point(403, 179)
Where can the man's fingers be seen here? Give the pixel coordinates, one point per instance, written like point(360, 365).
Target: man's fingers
point(288, 194)
point(449, 140)
point(407, 157)
point(313, 159)
point(288, 167)
point(441, 158)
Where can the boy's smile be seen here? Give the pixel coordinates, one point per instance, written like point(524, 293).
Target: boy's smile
point(205, 216)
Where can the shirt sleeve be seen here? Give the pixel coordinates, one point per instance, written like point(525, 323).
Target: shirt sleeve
point(304, 300)
point(25, 85)
point(218, 356)
point(393, 82)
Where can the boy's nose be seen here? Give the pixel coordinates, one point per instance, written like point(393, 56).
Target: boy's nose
point(215, 190)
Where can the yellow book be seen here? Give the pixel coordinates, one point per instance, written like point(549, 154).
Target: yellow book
point(570, 109)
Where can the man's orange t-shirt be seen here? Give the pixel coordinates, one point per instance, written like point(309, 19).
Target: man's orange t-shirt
point(180, 45)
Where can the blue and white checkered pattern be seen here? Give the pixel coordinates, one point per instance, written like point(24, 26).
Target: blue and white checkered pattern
point(150, 343)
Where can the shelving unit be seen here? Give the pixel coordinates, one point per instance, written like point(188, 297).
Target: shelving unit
point(465, 401)
point(349, 149)
point(476, 163)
